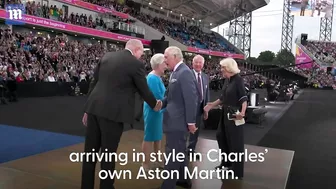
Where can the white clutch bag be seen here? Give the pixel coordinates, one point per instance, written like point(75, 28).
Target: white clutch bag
point(237, 122)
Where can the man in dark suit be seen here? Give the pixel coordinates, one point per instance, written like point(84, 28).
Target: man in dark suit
point(204, 97)
point(179, 118)
point(110, 104)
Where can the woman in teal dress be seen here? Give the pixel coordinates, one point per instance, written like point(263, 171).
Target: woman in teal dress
point(152, 119)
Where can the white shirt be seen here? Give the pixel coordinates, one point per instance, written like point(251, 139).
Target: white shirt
point(82, 77)
point(176, 66)
point(196, 74)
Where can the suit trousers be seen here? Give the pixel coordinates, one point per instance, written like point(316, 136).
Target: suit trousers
point(101, 134)
point(193, 138)
point(175, 141)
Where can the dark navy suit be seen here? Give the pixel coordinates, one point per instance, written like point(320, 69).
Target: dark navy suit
point(181, 105)
point(204, 98)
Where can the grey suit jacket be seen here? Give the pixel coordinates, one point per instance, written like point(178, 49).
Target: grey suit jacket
point(181, 101)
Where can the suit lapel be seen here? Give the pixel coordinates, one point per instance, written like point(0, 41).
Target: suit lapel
point(171, 77)
point(204, 81)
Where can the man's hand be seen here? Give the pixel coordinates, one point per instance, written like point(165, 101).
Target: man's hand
point(158, 105)
point(205, 115)
point(84, 119)
point(192, 128)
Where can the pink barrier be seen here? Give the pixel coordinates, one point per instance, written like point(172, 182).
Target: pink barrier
point(302, 57)
point(47, 23)
point(216, 53)
point(94, 7)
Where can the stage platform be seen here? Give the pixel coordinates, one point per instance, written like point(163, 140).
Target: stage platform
point(54, 170)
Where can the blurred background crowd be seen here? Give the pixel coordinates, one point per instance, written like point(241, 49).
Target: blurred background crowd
point(29, 57)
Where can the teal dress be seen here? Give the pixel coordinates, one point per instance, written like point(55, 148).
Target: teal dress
point(152, 119)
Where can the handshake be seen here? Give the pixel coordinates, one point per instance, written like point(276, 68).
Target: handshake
point(158, 105)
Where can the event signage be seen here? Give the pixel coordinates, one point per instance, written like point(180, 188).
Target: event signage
point(47, 23)
point(94, 7)
point(301, 57)
point(33, 20)
point(215, 53)
point(15, 14)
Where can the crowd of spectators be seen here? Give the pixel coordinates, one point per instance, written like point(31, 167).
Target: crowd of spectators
point(317, 77)
point(37, 58)
point(320, 78)
point(106, 22)
point(33, 57)
point(324, 51)
point(55, 13)
point(111, 4)
point(187, 35)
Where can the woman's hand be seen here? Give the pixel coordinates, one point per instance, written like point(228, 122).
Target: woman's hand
point(208, 107)
point(205, 115)
point(240, 116)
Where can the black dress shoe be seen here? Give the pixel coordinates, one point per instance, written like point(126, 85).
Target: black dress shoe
point(184, 184)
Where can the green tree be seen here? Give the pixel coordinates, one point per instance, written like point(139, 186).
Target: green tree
point(266, 56)
point(251, 60)
point(284, 58)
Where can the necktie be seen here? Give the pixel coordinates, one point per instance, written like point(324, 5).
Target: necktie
point(200, 85)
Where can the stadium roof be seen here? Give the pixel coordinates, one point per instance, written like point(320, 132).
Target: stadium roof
point(215, 12)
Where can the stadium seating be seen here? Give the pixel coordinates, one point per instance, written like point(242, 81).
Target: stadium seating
point(187, 35)
point(325, 52)
point(78, 69)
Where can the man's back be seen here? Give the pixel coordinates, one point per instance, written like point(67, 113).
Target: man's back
point(112, 95)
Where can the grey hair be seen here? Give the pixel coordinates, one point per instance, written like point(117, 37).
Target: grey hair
point(173, 50)
point(230, 65)
point(199, 57)
point(133, 44)
point(156, 60)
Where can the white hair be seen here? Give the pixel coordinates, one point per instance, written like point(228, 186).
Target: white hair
point(173, 50)
point(199, 57)
point(230, 65)
point(133, 44)
point(156, 60)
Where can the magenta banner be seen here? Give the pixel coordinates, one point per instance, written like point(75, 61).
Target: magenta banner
point(47, 23)
point(216, 53)
point(94, 7)
point(301, 58)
